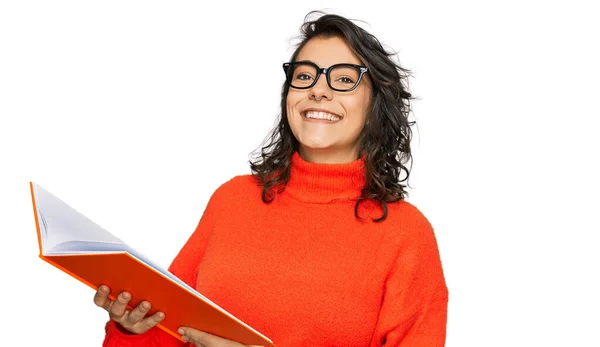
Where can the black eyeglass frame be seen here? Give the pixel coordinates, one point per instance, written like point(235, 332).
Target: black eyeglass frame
point(324, 70)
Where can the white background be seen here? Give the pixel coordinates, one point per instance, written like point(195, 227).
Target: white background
point(134, 112)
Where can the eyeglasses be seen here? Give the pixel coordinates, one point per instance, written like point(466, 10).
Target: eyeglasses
point(340, 77)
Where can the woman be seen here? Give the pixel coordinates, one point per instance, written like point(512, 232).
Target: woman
point(318, 246)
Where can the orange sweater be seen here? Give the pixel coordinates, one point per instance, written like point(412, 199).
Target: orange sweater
point(305, 272)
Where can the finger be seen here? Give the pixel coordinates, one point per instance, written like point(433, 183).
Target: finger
point(119, 306)
point(139, 312)
point(151, 321)
point(202, 338)
point(101, 297)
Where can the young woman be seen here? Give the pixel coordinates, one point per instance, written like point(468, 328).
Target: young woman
point(318, 246)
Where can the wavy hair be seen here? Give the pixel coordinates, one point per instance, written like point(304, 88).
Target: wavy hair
point(385, 140)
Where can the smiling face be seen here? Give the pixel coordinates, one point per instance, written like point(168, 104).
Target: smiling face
point(328, 123)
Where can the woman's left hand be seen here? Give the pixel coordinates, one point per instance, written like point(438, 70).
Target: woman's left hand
point(201, 339)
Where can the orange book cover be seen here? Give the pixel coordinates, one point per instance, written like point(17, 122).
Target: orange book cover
point(79, 247)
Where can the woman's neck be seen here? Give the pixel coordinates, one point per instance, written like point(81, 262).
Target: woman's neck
point(327, 156)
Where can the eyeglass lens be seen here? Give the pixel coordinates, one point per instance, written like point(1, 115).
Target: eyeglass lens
point(341, 77)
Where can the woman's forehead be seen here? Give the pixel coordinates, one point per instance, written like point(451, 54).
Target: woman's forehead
point(328, 51)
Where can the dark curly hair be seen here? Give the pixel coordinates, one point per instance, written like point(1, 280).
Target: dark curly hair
point(385, 141)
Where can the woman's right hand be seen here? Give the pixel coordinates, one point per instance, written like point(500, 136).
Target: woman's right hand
point(134, 321)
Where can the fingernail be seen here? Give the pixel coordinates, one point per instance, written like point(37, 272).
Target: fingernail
point(184, 338)
point(180, 331)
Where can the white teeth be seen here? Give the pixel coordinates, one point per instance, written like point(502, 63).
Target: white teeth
point(321, 115)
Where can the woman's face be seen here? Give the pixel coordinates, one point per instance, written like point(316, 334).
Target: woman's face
point(335, 138)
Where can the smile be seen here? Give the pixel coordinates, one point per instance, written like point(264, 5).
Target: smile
point(321, 115)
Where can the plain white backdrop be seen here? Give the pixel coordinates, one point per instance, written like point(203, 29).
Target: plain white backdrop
point(133, 112)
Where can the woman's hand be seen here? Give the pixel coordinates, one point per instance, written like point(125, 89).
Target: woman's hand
point(201, 339)
point(134, 321)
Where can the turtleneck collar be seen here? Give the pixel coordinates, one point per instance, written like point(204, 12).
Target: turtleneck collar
point(323, 183)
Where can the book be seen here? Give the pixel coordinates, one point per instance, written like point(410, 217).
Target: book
point(81, 248)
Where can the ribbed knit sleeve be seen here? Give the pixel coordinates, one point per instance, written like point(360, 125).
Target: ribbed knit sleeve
point(414, 308)
point(184, 267)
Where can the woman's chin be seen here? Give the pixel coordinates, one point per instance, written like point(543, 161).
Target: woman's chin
point(315, 146)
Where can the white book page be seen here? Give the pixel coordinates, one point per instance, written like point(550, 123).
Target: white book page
point(66, 231)
point(60, 223)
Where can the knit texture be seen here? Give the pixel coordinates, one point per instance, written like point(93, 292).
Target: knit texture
point(304, 271)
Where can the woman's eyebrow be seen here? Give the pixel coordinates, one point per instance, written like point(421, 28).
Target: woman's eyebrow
point(306, 61)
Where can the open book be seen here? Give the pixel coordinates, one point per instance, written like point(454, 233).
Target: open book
point(74, 244)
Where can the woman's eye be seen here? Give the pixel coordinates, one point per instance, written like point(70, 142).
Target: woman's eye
point(346, 80)
point(303, 77)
